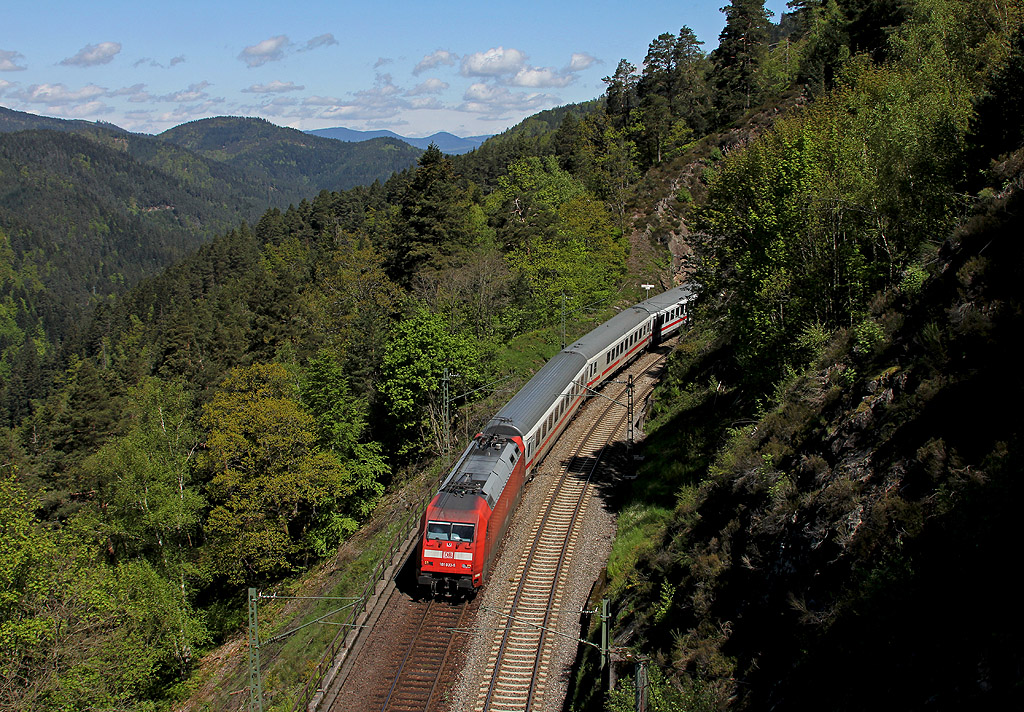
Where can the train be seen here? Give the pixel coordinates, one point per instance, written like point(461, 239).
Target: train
point(466, 520)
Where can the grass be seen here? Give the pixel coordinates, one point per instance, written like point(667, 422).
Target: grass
point(641, 528)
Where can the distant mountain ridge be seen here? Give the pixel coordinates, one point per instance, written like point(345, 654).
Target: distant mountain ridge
point(448, 143)
point(312, 163)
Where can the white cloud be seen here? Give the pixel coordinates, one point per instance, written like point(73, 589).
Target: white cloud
point(195, 92)
point(426, 102)
point(9, 61)
point(541, 77)
point(581, 61)
point(356, 111)
point(139, 121)
point(492, 101)
point(136, 93)
point(274, 87)
point(269, 50)
point(384, 87)
point(149, 61)
point(495, 62)
point(90, 108)
point(275, 48)
point(4, 84)
point(191, 112)
point(92, 55)
point(58, 94)
point(436, 59)
point(323, 40)
point(381, 61)
point(320, 101)
point(383, 101)
point(431, 86)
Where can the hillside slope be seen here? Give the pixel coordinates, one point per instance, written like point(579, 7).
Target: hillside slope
point(86, 219)
point(854, 543)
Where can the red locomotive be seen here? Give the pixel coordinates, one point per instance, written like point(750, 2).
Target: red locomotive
point(467, 519)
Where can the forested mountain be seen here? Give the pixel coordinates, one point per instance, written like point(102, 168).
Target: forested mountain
point(83, 216)
point(829, 481)
point(289, 157)
point(87, 209)
point(448, 143)
point(533, 136)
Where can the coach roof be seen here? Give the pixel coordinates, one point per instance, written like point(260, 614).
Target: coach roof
point(529, 405)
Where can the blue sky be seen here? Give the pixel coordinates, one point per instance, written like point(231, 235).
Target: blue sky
point(412, 67)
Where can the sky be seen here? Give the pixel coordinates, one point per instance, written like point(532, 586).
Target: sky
point(413, 66)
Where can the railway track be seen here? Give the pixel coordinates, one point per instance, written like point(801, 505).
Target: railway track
point(519, 664)
point(408, 663)
point(414, 687)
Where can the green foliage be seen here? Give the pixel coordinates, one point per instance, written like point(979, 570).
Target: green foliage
point(268, 478)
point(340, 420)
point(810, 212)
point(561, 239)
point(639, 530)
point(674, 96)
point(414, 362)
point(742, 47)
point(661, 695)
point(26, 551)
point(148, 505)
point(433, 228)
point(77, 635)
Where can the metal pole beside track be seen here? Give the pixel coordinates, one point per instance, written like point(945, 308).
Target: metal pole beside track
point(255, 676)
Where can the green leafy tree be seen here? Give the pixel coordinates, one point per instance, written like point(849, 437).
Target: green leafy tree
point(433, 225)
point(621, 93)
point(148, 503)
point(812, 216)
point(76, 634)
point(269, 480)
point(340, 419)
point(560, 238)
point(413, 366)
point(673, 91)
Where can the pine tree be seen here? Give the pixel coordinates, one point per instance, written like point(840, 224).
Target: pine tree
point(741, 47)
point(432, 226)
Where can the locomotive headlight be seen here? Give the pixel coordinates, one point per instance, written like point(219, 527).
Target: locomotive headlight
point(467, 566)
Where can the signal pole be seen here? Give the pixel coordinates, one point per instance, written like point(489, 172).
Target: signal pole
point(255, 676)
point(445, 415)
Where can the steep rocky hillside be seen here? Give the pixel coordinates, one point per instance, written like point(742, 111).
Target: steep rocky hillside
point(854, 545)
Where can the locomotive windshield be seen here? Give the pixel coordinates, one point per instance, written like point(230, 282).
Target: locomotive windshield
point(449, 531)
